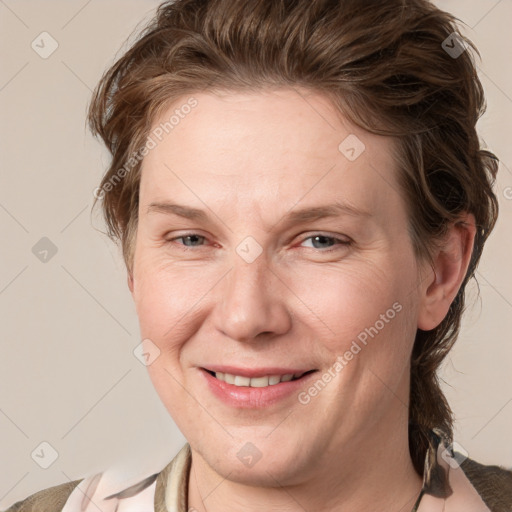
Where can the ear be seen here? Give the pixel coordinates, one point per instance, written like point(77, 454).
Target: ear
point(451, 263)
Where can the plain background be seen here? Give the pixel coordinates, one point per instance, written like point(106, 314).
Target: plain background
point(68, 375)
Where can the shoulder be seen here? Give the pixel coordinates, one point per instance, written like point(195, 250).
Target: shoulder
point(493, 484)
point(456, 478)
point(106, 490)
point(51, 499)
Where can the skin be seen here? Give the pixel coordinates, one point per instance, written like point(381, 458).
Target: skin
point(247, 160)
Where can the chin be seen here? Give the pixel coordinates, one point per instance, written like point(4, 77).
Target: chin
point(261, 461)
point(262, 474)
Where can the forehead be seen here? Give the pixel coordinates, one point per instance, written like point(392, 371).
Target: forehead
point(284, 146)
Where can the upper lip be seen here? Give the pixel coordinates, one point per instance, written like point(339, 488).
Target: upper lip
point(256, 372)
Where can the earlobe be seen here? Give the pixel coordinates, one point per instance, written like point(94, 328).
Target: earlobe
point(451, 262)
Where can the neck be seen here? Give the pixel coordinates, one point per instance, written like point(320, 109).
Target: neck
point(373, 474)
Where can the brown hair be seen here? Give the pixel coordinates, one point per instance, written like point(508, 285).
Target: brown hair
point(386, 65)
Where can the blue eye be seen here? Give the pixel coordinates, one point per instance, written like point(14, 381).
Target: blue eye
point(321, 240)
point(191, 237)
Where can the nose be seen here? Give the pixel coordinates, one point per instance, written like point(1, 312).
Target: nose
point(252, 302)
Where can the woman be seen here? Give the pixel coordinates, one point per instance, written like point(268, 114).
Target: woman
point(301, 199)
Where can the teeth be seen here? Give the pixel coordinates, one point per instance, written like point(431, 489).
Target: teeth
point(242, 381)
point(256, 382)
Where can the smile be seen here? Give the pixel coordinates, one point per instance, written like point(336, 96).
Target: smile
point(256, 382)
point(255, 388)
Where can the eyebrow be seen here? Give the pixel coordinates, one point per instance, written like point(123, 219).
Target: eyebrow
point(298, 216)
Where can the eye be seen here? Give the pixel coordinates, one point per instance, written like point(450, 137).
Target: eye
point(320, 241)
point(189, 239)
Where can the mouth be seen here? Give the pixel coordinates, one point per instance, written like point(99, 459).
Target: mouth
point(261, 381)
point(255, 388)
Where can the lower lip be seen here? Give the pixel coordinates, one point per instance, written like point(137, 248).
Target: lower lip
point(254, 398)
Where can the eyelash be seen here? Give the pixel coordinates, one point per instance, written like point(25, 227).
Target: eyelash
point(341, 242)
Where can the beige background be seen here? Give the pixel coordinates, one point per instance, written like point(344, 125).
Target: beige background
point(68, 376)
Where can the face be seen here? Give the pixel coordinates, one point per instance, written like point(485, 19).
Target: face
point(272, 247)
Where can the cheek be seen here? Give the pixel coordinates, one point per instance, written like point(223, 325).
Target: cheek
point(370, 312)
point(348, 301)
point(167, 295)
point(168, 302)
